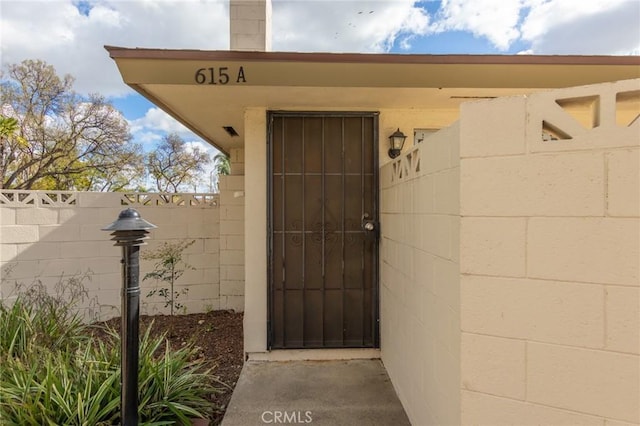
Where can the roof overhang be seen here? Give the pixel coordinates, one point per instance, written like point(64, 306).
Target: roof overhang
point(207, 90)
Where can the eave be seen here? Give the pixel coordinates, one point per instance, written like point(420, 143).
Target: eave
point(322, 81)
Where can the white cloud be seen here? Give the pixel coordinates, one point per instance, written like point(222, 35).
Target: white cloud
point(57, 32)
point(72, 37)
point(155, 124)
point(541, 26)
point(497, 20)
point(70, 34)
point(583, 27)
point(201, 146)
point(545, 14)
point(345, 26)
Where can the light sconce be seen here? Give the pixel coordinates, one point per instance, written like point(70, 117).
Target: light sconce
point(396, 142)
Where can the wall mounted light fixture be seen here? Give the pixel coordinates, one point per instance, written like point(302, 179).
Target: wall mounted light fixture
point(396, 142)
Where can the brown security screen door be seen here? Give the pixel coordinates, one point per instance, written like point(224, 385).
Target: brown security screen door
point(322, 260)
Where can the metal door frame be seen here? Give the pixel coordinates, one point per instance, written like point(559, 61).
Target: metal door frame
point(375, 308)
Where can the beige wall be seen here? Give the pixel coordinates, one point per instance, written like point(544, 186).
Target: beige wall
point(420, 300)
point(255, 169)
point(232, 234)
point(525, 309)
point(47, 238)
point(407, 120)
point(549, 259)
point(255, 156)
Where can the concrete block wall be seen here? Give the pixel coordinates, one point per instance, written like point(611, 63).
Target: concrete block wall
point(48, 239)
point(549, 258)
point(232, 234)
point(250, 25)
point(420, 300)
point(236, 158)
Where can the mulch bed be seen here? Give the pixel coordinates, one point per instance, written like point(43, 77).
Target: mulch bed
point(218, 337)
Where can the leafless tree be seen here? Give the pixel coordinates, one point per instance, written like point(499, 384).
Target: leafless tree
point(174, 167)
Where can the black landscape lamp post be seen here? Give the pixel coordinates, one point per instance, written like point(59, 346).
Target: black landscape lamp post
point(129, 232)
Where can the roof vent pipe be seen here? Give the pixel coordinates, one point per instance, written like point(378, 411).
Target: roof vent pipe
point(250, 25)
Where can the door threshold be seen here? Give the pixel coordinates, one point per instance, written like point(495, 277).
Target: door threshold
point(314, 354)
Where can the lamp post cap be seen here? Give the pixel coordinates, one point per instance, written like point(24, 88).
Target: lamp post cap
point(129, 220)
point(397, 134)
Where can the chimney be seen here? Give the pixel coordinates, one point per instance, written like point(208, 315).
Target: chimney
point(250, 25)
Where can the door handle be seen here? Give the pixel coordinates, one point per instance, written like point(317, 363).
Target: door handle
point(369, 226)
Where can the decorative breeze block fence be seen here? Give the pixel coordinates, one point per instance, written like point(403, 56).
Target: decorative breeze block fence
point(53, 235)
point(509, 262)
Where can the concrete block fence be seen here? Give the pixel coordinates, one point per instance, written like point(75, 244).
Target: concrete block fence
point(232, 234)
point(420, 294)
point(510, 263)
point(550, 257)
point(50, 236)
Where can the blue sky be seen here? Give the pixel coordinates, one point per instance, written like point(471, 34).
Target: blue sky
point(455, 42)
point(70, 34)
point(133, 106)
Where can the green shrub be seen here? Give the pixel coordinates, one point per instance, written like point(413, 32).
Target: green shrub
point(59, 388)
point(16, 329)
point(172, 383)
point(54, 372)
point(51, 321)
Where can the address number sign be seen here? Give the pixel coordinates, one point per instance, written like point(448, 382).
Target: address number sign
point(220, 75)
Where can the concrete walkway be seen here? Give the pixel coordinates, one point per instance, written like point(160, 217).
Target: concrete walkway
point(354, 392)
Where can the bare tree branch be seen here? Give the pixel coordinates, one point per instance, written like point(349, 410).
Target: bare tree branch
point(173, 167)
point(63, 141)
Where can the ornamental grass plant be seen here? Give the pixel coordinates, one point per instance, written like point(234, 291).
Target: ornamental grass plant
point(55, 371)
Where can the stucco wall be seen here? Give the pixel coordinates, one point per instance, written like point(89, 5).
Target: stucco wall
point(407, 120)
point(420, 300)
point(255, 170)
point(47, 235)
point(550, 249)
point(255, 160)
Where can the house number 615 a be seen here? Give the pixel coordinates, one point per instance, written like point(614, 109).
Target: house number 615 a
point(219, 75)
